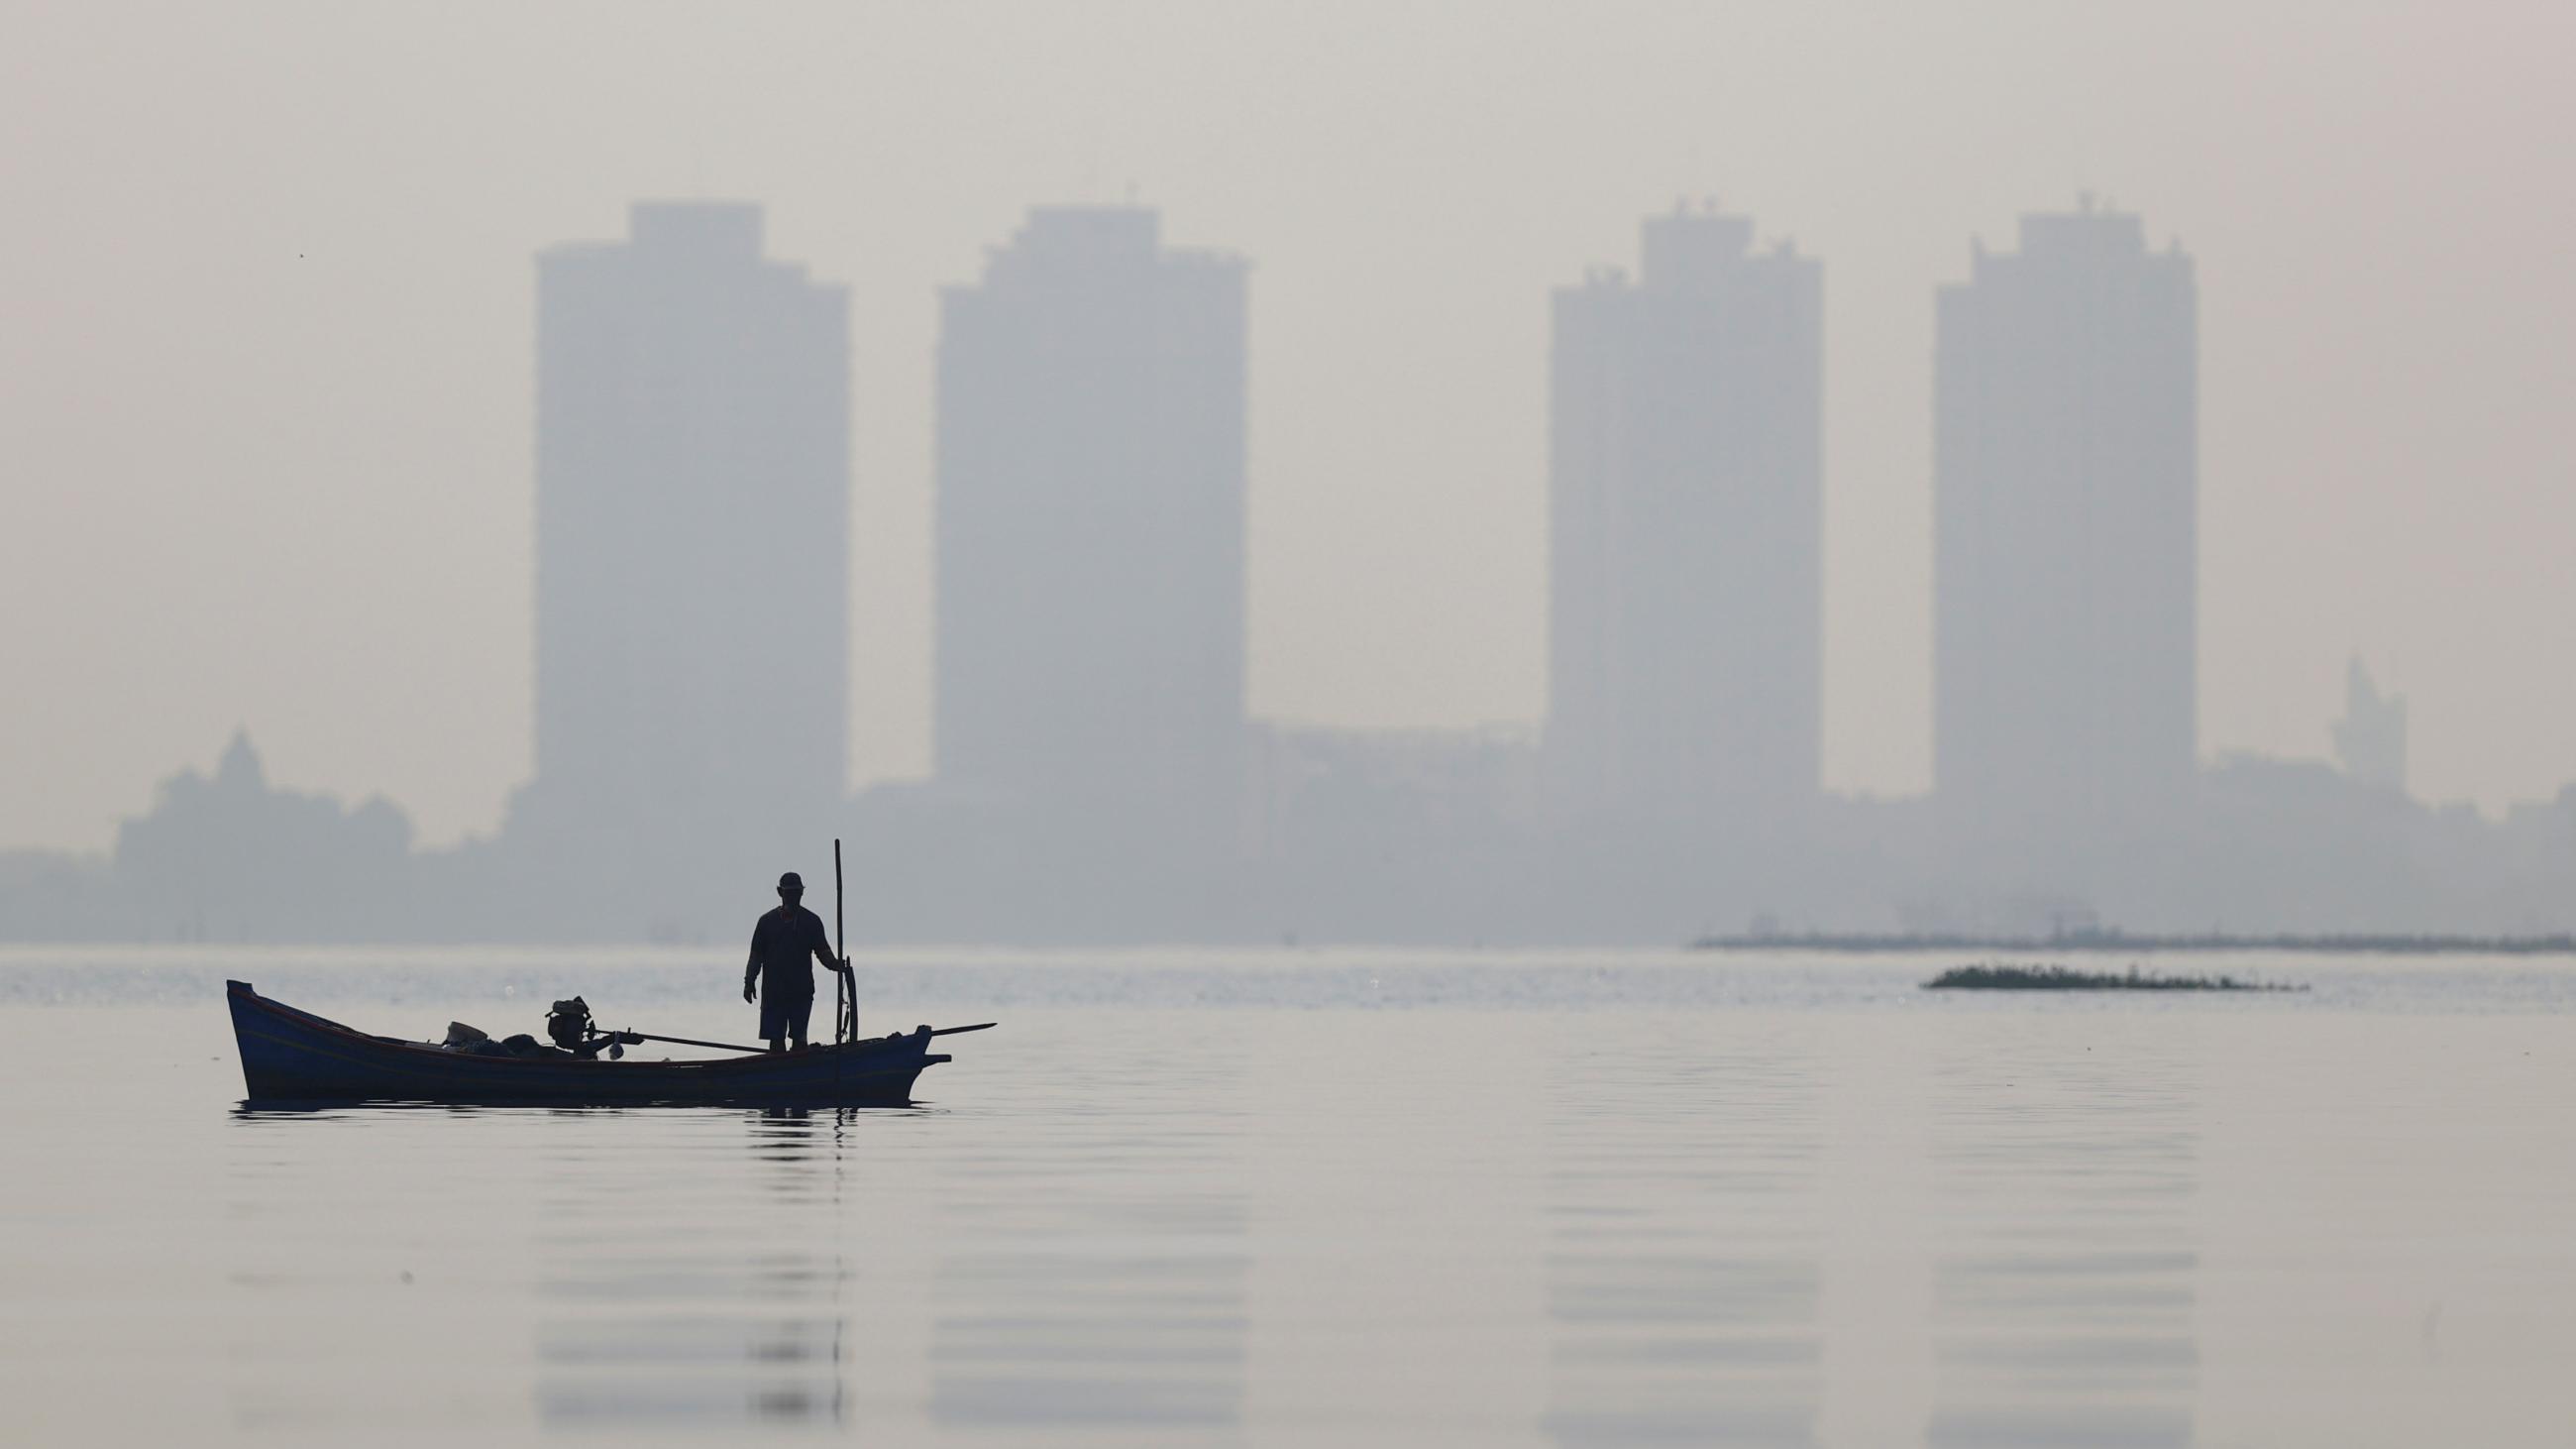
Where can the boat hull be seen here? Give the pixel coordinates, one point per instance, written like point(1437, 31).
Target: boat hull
point(294, 1056)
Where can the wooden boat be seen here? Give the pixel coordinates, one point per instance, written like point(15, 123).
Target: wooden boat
point(294, 1056)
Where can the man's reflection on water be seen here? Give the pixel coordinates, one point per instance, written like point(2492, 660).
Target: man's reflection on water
point(2064, 1289)
point(662, 1325)
point(1683, 1275)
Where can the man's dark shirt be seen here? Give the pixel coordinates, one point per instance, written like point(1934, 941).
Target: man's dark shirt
point(783, 946)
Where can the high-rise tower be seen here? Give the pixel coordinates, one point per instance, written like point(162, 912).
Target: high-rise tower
point(1091, 520)
point(692, 542)
point(1685, 592)
point(2065, 493)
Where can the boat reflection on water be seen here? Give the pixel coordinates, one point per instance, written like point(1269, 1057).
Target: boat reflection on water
point(1683, 1266)
point(649, 1318)
point(2063, 1289)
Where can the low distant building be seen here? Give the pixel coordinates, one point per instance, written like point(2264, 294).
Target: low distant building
point(2370, 739)
point(1486, 774)
point(1387, 835)
point(51, 895)
point(230, 857)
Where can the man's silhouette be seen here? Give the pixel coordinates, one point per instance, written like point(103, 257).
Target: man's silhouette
point(782, 946)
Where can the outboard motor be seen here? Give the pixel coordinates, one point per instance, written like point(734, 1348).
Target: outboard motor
point(568, 1025)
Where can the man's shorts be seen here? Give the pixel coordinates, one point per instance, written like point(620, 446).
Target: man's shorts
point(785, 1008)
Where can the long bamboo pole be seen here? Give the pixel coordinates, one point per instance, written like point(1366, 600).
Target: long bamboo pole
point(845, 1018)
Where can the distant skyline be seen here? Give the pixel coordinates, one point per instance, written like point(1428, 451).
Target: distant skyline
point(265, 417)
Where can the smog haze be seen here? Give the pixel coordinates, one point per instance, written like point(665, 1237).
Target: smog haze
point(268, 378)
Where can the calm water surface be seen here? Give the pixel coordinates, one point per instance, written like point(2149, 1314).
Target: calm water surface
point(1320, 1198)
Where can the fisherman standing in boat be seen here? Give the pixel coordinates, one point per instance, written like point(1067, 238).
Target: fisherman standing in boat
point(779, 973)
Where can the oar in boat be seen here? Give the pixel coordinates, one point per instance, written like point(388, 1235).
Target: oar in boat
point(722, 1046)
point(726, 1046)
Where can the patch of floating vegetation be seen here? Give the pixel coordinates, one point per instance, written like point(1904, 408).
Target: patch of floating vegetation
point(1997, 976)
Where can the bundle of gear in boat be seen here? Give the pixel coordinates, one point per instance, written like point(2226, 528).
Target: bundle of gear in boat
point(569, 1026)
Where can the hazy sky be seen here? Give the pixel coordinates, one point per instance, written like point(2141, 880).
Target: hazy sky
point(267, 279)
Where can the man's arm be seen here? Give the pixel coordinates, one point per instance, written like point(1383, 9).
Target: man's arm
point(751, 968)
point(823, 946)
